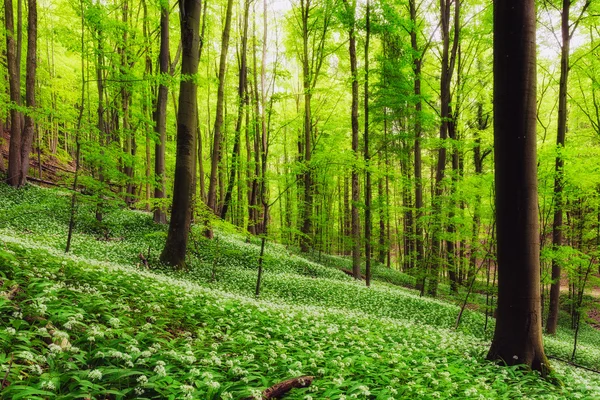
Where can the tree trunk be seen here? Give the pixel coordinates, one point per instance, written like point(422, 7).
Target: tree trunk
point(243, 104)
point(557, 224)
point(368, 190)
point(448, 59)
point(518, 333)
point(14, 79)
point(160, 116)
point(28, 131)
point(176, 244)
point(351, 8)
point(420, 255)
point(217, 135)
point(306, 145)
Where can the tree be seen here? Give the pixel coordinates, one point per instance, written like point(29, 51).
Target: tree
point(160, 113)
point(217, 134)
point(242, 104)
point(27, 138)
point(313, 19)
point(448, 63)
point(367, 155)
point(14, 78)
point(518, 334)
point(351, 10)
point(567, 30)
point(183, 188)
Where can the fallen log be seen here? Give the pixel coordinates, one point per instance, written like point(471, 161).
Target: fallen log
point(348, 272)
point(278, 390)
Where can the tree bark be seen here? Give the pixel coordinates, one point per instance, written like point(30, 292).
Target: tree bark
point(351, 9)
point(518, 334)
point(217, 135)
point(557, 224)
point(448, 60)
point(368, 189)
point(160, 116)
point(183, 189)
point(420, 255)
point(28, 131)
point(242, 105)
point(14, 79)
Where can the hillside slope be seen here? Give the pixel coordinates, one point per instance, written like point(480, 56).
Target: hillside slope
point(97, 324)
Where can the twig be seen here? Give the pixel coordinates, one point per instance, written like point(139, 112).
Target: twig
point(12, 357)
point(574, 364)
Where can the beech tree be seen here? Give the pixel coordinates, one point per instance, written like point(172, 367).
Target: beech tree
point(160, 113)
point(183, 188)
point(14, 79)
point(518, 333)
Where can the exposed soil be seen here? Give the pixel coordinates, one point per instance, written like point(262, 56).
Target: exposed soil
point(52, 169)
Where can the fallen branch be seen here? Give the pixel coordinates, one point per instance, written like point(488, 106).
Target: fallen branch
point(280, 389)
point(574, 364)
point(34, 179)
point(12, 357)
point(348, 272)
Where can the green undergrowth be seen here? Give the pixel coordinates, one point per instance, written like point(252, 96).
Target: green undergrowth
point(96, 323)
point(81, 329)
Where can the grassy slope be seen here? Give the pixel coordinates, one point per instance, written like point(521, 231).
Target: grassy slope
point(80, 326)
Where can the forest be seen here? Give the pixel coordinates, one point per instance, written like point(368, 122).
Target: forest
point(303, 199)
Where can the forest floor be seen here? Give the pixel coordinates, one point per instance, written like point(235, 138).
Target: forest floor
point(98, 323)
point(52, 169)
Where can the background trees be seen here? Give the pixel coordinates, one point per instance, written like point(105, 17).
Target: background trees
point(277, 137)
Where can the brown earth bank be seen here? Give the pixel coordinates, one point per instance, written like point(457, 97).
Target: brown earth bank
point(44, 167)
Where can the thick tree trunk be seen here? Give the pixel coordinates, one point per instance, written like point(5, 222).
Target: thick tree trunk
point(185, 164)
point(217, 134)
point(518, 333)
point(160, 116)
point(14, 79)
point(28, 131)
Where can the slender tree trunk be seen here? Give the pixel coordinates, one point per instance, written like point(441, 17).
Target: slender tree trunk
point(420, 255)
point(102, 123)
point(243, 104)
point(351, 9)
point(557, 225)
point(306, 146)
point(28, 131)
point(176, 244)
point(14, 79)
point(518, 333)
point(160, 116)
point(448, 59)
point(368, 190)
point(217, 135)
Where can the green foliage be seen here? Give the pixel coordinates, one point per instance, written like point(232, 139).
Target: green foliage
point(93, 324)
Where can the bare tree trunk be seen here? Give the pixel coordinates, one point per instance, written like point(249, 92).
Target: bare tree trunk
point(217, 135)
point(183, 189)
point(420, 256)
point(28, 131)
point(368, 189)
point(14, 79)
point(160, 115)
point(242, 105)
point(448, 59)
point(518, 333)
point(567, 31)
point(351, 9)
